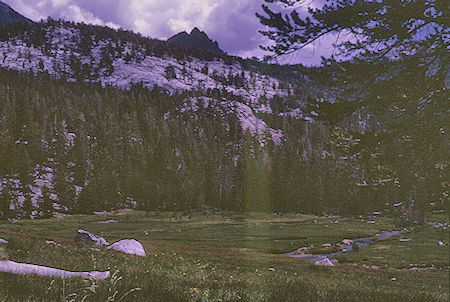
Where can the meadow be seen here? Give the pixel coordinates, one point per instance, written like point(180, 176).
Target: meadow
point(224, 256)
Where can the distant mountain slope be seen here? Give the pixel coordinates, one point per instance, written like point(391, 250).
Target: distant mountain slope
point(80, 52)
point(8, 15)
point(196, 39)
point(188, 127)
point(86, 53)
point(119, 58)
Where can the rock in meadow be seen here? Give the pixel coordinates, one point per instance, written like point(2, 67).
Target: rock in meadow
point(128, 246)
point(348, 242)
point(324, 262)
point(84, 237)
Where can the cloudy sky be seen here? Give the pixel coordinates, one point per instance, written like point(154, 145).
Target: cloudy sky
point(231, 22)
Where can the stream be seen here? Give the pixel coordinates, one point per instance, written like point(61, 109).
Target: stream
point(359, 242)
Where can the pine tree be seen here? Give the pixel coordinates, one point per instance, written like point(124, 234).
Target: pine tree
point(398, 67)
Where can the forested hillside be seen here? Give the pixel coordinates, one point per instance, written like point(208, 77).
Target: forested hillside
point(79, 147)
point(97, 119)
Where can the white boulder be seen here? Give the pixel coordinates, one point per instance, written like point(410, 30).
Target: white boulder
point(348, 242)
point(324, 262)
point(301, 250)
point(128, 246)
point(51, 242)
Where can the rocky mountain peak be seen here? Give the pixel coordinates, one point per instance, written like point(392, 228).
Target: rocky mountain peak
point(197, 32)
point(195, 39)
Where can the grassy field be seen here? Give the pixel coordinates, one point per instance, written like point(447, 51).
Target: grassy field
point(227, 257)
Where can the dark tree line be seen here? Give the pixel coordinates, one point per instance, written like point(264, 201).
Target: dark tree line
point(90, 148)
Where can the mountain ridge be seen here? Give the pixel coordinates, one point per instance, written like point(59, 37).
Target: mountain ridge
point(9, 15)
point(87, 53)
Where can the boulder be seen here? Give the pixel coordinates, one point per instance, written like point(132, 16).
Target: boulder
point(128, 246)
point(326, 245)
point(84, 237)
point(301, 250)
point(52, 243)
point(324, 262)
point(348, 242)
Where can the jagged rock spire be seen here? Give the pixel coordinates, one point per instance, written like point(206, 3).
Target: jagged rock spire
point(195, 39)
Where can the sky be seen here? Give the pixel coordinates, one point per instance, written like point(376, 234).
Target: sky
point(232, 23)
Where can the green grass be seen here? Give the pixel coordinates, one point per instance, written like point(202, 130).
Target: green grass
point(222, 257)
point(422, 251)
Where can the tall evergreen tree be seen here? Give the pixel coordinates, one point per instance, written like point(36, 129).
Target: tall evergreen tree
point(396, 63)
